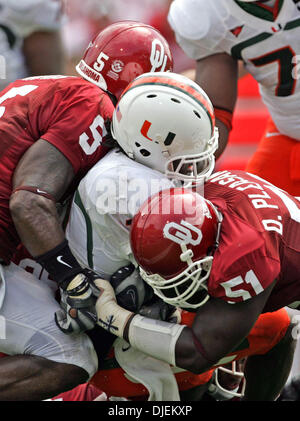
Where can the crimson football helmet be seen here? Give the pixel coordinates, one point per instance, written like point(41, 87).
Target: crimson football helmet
point(166, 121)
point(173, 237)
point(123, 51)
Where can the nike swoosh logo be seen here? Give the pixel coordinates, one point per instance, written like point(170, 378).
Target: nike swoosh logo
point(131, 292)
point(41, 191)
point(269, 134)
point(59, 259)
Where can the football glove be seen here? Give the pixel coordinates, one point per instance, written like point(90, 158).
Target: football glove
point(78, 299)
point(130, 289)
point(159, 310)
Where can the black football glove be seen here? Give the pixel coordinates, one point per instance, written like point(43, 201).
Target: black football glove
point(130, 289)
point(159, 310)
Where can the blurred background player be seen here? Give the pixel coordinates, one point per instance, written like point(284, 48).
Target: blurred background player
point(264, 35)
point(84, 19)
point(30, 39)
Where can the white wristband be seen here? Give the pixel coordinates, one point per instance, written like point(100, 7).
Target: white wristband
point(111, 316)
point(154, 337)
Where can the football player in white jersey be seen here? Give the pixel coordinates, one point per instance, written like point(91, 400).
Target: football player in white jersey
point(264, 35)
point(30, 43)
point(168, 126)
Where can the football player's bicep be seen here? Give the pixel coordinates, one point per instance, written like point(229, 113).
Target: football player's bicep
point(219, 327)
point(45, 167)
point(43, 52)
point(218, 75)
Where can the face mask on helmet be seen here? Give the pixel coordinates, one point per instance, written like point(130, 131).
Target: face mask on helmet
point(173, 237)
point(228, 381)
point(121, 52)
point(166, 122)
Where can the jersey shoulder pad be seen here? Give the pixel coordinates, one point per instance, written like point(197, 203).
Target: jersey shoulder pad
point(198, 25)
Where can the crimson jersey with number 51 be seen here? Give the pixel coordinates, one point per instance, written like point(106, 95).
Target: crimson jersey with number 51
point(68, 112)
point(259, 241)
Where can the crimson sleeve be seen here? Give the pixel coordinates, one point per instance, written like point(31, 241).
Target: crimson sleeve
point(74, 122)
point(246, 277)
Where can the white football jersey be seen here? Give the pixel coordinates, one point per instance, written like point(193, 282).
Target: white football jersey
point(269, 49)
point(103, 206)
point(18, 19)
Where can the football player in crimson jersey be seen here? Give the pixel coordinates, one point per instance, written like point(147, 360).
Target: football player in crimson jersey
point(264, 36)
point(53, 131)
point(92, 223)
point(229, 257)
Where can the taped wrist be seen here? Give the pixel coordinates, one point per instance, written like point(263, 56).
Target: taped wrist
point(60, 264)
point(155, 337)
point(111, 316)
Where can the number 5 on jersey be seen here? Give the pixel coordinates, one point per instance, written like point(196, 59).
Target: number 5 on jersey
point(88, 146)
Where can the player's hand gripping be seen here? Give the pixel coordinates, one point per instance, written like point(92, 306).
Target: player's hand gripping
point(125, 295)
point(78, 300)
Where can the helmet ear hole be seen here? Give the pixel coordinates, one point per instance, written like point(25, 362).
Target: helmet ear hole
point(145, 153)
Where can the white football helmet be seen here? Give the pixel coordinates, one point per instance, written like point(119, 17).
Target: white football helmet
point(166, 121)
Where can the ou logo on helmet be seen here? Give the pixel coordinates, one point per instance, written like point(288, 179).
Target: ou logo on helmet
point(184, 233)
point(158, 58)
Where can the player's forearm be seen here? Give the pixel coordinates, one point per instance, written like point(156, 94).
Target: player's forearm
point(168, 342)
point(36, 222)
point(223, 138)
point(44, 54)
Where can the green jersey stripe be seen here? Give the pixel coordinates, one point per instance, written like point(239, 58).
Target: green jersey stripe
point(89, 230)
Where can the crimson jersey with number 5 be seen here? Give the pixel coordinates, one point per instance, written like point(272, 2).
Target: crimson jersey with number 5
point(259, 242)
point(68, 112)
